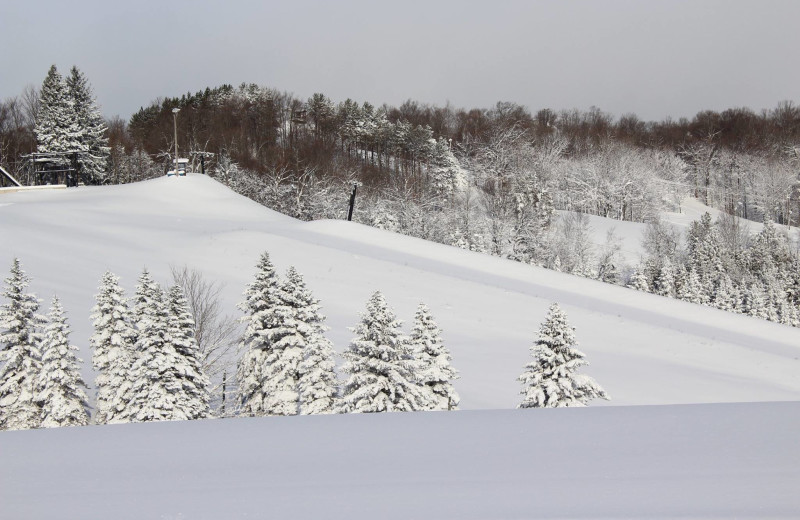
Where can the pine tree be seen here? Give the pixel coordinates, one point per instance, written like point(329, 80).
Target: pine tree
point(446, 175)
point(755, 302)
point(194, 383)
point(56, 128)
point(91, 127)
point(664, 283)
point(769, 257)
point(380, 365)
point(317, 383)
point(61, 389)
point(132, 402)
point(113, 348)
point(705, 250)
point(726, 296)
point(692, 290)
point(20, 343)
point(639, 281)
point(261, 298)
point(147, 290)
point(287, 336)
point(550, 380)
point(164, 385)
point(433, 370)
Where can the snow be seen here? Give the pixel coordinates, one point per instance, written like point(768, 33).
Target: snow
point(688, 461)
point(709, 460)
point(641, 348)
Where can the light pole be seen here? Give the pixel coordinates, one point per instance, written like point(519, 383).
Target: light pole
point(175, 124)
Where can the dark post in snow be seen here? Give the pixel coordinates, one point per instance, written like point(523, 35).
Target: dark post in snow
point(224, 391)
point(203, 164)
point(352, 203)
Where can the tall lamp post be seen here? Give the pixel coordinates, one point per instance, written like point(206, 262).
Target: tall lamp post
point(175, 124)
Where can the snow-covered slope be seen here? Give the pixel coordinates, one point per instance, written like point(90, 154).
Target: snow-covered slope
point(686, 461)
point(630, 234)
point(643, 349)
point(699, 460)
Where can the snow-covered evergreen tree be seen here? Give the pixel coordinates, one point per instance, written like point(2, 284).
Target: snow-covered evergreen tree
point(692, 289)
point(56, 129)
point(380, 365)
point(151, 346)
point(769, 256)
point(194, 383)
point(551, 379)
point(113, 348)
point(433, 370)
point(262, 297)
point(147, 290)
point(317, 384)
point(286, 334)
point(20, 343)
point(91, 127)
point(639, 281)
point(164, 384)
point(705, 250)
point(664, 283)
point(61, 389)
point(446, 175)
point(726, 296)
point(755, 301)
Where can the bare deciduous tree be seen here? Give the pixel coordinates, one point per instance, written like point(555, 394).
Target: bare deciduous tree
point(216, 333)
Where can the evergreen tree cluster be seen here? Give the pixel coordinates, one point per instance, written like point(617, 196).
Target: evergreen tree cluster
point(723, 267)
point(146, 359)
point(146, 356)
point(40, 381)
point(69, 121)
point(149, 369)
point(288, 366)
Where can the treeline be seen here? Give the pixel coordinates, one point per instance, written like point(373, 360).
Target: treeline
point(741, 162)
point(152, 363)
point(155, 355)
point(737, 160)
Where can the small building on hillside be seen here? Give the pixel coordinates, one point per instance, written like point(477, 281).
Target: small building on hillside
point(54, 168)
point(183, 167)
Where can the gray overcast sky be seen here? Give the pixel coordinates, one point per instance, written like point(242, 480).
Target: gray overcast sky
point(652, 58)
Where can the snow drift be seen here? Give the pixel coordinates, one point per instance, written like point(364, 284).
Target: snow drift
point(687, 461)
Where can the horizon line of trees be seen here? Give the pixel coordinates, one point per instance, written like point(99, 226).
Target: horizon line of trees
point(264, 130)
